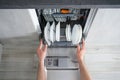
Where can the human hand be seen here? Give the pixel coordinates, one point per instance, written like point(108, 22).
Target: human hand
point(41, 51)
point(81, 51)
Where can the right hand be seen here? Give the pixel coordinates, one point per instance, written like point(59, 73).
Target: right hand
point(81, 51)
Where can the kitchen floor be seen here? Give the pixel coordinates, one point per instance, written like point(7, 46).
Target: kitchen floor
point(17, 59)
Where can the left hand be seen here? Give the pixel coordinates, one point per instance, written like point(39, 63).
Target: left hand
point(41, 51)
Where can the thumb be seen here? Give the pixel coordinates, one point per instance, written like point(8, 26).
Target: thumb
point(45, 47)
point(78, 47)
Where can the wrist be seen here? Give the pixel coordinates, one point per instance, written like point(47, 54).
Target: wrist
point(41, 61)
point(80, 60)
point(41, 64)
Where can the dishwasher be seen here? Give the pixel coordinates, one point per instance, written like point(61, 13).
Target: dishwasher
point(62, 38)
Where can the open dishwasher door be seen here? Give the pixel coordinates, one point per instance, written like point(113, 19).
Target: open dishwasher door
point(61, 54)
point(61, 60)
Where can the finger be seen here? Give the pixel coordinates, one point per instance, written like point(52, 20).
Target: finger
point(45, 47)
point(83, 44)
point(40, 44)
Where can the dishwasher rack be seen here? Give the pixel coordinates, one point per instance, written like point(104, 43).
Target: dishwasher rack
point(75, 16)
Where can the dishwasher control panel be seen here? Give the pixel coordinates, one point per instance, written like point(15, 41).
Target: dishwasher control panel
point(60, 62)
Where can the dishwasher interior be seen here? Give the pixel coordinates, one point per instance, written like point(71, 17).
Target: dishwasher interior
point(64, 16)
